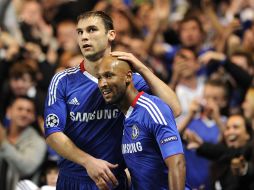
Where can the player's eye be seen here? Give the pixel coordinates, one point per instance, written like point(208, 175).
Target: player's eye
point(80, 32)
point(109, 75)
point(91, 29)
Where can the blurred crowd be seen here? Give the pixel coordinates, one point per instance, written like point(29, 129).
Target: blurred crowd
point(203, 49)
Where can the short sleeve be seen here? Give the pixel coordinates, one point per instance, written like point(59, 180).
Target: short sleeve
point(55, 106)
point(167, 135)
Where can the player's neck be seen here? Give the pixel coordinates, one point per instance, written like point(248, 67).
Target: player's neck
point(91, 65)
point(130, 95)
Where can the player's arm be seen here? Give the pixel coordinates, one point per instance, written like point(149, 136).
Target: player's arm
point(98, 170)
point(157, 86)
point(169, 141)
point(55, 121)
point(176, 171)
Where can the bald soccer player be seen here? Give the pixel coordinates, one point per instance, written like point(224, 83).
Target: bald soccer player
point(151, 144)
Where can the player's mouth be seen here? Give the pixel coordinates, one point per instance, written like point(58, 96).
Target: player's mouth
point(106, 92)
point(86, 46)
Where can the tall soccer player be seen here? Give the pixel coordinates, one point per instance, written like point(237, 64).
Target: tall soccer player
point(79, 125)
point(151, 144)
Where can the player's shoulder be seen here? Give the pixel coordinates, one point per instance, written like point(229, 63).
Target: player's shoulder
point(136, 77)
point(153, 100)
point(65, 73)
point(152, 108)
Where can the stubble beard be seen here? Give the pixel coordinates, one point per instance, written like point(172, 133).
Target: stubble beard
point(93, 57)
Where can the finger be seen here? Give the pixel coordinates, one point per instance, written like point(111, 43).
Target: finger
point(102, 185)
point(112, 178)
point(117, 53)
point(112, 166)
point(107, 178)
point(122, 55)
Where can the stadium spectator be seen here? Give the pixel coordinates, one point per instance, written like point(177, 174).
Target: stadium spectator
point(237, 144)
point(22, 149)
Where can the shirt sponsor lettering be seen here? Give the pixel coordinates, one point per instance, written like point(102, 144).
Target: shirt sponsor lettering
point(96, 115)
point(130, 148)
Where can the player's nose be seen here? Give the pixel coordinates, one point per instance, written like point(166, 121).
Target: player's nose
point(102, 83)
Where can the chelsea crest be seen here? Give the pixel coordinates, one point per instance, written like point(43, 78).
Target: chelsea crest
point(135, 132)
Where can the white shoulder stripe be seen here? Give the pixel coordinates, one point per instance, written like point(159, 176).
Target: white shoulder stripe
point(50, 93)
point(55, 78)
point(149, 111)
point(156, 108)
point(55, 81)
point(57, 75)
point(149, 106)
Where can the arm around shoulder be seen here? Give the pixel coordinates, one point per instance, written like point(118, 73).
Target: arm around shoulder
point(157, 86)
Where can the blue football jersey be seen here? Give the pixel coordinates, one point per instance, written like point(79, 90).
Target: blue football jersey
point(198, 167)
point(150, 135)
point(75, 106)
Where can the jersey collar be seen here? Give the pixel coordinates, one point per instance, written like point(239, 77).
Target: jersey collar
point(129, 111)
point(136, 98)
point(88, 75)
point(82, 66)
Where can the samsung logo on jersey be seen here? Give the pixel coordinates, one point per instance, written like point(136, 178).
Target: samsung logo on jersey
point(169, 139)
point(131, 148)
point(96, 115)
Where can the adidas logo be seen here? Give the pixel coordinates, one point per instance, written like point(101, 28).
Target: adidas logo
point(74, 101)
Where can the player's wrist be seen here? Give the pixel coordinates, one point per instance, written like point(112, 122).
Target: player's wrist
point(86, 160)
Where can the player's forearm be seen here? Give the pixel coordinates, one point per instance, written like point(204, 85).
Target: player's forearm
point(67, 149)
point(182, 126)
point(159, 88)
point(176, 174)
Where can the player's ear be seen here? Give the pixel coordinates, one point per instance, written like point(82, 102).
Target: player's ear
point(128, 77)
point(111, 35)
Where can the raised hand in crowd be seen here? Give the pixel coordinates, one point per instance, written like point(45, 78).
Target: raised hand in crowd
point(239, 166)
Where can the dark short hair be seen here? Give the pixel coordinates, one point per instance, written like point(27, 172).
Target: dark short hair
point(19, 69)
point(106, 19)
point(221, 84)
point(23, 97)
point(195, 19)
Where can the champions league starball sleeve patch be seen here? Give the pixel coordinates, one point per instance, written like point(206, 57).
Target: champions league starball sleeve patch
point(52, 120)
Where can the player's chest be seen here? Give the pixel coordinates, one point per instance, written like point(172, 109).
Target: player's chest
point(83, 95)
point(136, 139)
point(85, 103)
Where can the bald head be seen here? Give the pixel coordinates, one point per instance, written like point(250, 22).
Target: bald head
point(116, 64)
point(114, 78)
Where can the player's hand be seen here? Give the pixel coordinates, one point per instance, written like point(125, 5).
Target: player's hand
point(100, 172)
point(129, 57)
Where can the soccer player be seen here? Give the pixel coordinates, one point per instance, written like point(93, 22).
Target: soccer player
point(79, 125)
point(151, 144)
